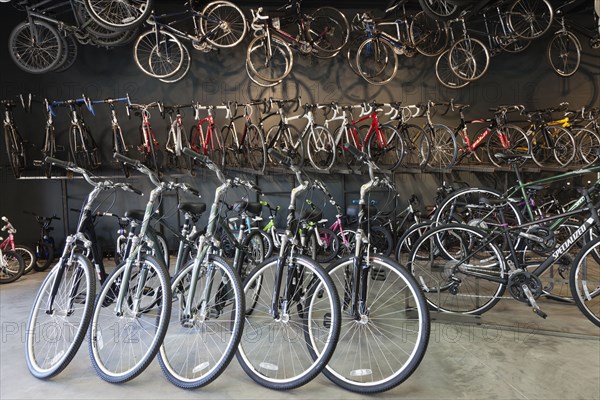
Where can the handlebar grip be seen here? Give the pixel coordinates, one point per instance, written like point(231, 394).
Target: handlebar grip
point(126, 160)
point(285, 160)
point(200, 157)
point(135, 190)
point(59, 163)
point(192, 190)
point(75, 209)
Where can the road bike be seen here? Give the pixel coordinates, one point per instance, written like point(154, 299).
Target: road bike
point(247, 150)
point(205, 137)
point(118, 140)
point(149, 147)
point(13, 141)
point(176, 139)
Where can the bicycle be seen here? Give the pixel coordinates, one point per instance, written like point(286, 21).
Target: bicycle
point(297, 300)
point(45, 43)
point(84, 150)
point(269, 58)
point(118, 140)
point(377, 295)
point(15, 148)
point(207, 141)
point(49, 148)
point(472, 272)
point(63, 306)
point(149, 147)
point(247, 150)
point(26, 252)
point(159, 52)
point(45, 246)
point(176, 139)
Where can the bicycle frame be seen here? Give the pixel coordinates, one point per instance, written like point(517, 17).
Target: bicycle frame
point(204, 137)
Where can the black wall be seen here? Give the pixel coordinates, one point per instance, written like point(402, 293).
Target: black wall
point(523, 78)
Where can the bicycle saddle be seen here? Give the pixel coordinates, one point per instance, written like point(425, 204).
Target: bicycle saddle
point(312, 215)
point(251, 208)
point(511, 158)
point(194, 209)
point(135, 215)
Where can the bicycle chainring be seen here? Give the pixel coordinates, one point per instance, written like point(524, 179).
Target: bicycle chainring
point(544, 241)
point(520, 278)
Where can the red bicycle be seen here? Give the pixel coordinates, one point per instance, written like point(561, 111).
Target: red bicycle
point(26, 252)
point(152, 157)
point(205, 137)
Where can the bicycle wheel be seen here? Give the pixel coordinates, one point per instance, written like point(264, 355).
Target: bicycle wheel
point(417, 148)
point(408, 239)
point(223, 24)
point(121, 346)
point(440, 9)
point(346, 247)
point(355, 43)
point(216, 148)
point(120, 148)
point(530, 19)
point(35, 48)
point(441, 261)
point(53, 337)
point(158, 54)
point(12, 266)
point(287, 143)
point(14, 150)
point(230, 149)
point(49, 149)
point(507, 139)
point(444, 149)
point(445, 73)
point(585, 282)
point(254, 151)
point(564, 53)
point(588, 145)
point(378, 348)
point(44, 255)
point(270, 59)
point(386, 154)
point(376, 61)
point(28, 256)
point(119, 14)
point(564, 148)
point(274, 350)
point(380, 240)
point(428, 35)
point(69, 53)
point(255, 253)
point(507, 40)
point(183, 70)
point(469, 59)
point(199, 346)
point(330, 246)
point(320, 148)
point(328, 31)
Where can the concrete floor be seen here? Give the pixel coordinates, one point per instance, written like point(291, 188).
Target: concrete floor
point(508, 354)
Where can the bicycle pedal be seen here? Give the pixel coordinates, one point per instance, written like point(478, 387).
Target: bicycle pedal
point(540, 312)
point(378, 274)
point(148, 291)
point(327, 320)
point(38, 163)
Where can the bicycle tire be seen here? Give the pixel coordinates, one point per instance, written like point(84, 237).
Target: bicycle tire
point(426, 34)
point(505, 38)
point(320, 148)
point(381, 240)
point(440, 9)
point(445, 74)
point(348, 248)
point(584, 281)
point(44, 256)
point(266, 352)
point(373, 58)
point(49, 149)
point(28, 55)
point(389, 156)
point(469, 59)
point(151, 321)
point(364, 361)
point(444, 147)
point(564, 53)
point(163, 63)
point(183, 70)
point(435, 261)
point(199, 347)
point(588, 143)
point(507, 139)
point(329, 31)
point(69, 322)
point(254, 150)
point(417, 148)
point(120, 147)
point(14, 150)
point(28, 256)
point(223, 24)
point(69, 53)
point(408, 239)
point(255, 245)
point(269, 69)
point(12, 268)
point(119, 15)
point(565, 148)
point(83, 147)
point(527, 22)
point(352, 50)
point(330, 248)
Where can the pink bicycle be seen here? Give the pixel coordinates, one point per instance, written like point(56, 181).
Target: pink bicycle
point(26, 252)
point(12, 265)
